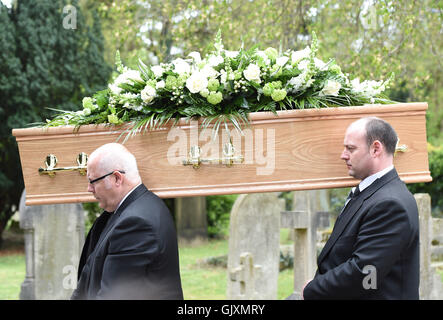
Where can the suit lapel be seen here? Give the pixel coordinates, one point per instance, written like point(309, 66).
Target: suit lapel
point(351, 209)
point(92, 239)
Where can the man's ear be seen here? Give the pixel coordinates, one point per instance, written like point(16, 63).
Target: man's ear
point(118, 178)
point(376, 148)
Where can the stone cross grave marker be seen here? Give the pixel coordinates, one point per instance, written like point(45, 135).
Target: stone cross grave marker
point(246, 275)
point(254, 237)
point(305, 224)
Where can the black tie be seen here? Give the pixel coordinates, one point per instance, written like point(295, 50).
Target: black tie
point(356, 192)
point(351, 196)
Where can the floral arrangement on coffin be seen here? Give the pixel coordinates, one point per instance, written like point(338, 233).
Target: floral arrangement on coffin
point(223, 87)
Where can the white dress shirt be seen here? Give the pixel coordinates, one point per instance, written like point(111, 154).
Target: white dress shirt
point(369, 180)
point(126, 196)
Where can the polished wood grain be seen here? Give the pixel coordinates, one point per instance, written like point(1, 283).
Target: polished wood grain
point(296, 150)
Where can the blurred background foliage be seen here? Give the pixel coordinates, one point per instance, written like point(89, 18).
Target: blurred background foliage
point(44, 65)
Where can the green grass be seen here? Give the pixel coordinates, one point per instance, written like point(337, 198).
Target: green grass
point(199, 281)
point(12, 274)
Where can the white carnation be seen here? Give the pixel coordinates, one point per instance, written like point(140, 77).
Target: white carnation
point(214, 61)
point(196, 56)
point(209, 72)
point(296, 56)
point(303, 65)
point(264, 57)
point(252, 73)
point(319, 63)
point(331, 88)
point(281, 61)
point(148, 94)
point(197, 82)
point(181, 66)
point(160, 85)
point(124, 78)
point(131, 75)
point(368, 88)
point(158, 71)
point(115, 89)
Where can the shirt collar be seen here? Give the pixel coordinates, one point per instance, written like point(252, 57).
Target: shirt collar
point(369, 180)
point(124, 198)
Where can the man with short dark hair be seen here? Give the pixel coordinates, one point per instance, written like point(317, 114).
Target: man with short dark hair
point(131, 250)
point(373, 251)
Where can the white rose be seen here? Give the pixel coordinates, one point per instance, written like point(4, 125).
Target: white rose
point(303, 65)
point(130, 75)
point(148, 94)
point(115, 89)
point(181, 66)
point(160, 85)
point(281, 61)
point(196, 82)
point(319, 63)
point(296, 56)
point(252, 73)
point(125, 77)
point(264, 56)
point(331, 88)
point(209, 72)
point(158, 71)
point(196, 56)
point(214, 61)
point(356, 85)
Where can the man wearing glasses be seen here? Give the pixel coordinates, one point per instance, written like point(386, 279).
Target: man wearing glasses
point(131, 250)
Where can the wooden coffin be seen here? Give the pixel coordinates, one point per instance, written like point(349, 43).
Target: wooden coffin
point(296, 150)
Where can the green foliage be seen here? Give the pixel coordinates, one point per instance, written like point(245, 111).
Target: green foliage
point(218, 209)
point(43, 66)
point(435, 187)
point(223, 86)
point(93, 211)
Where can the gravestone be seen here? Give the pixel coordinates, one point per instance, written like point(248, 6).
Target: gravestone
point(254, 237)
point(246, 275)
point(431, 287)
point(309, 216)
point(437, 241)
point(54, 236)
point(191, 219)
point(305, 225)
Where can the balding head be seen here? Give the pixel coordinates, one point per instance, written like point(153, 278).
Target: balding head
point(369, 146)
point(115, 156)
point(112, 173)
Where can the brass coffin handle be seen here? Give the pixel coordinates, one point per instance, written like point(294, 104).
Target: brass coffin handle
point(400, 147)
point(51, 162)
point(228, 158)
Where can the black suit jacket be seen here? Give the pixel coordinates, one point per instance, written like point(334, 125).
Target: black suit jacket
point(376, 238)
point(132, 253)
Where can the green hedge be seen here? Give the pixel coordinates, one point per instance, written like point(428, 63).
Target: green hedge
point(434, 188)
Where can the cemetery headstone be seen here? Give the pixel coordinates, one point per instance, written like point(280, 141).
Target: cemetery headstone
point(254, 237)
point(431, 287)
point(54, 236)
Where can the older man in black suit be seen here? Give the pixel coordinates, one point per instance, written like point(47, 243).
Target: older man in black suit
point(131, 250)
point(373, 251)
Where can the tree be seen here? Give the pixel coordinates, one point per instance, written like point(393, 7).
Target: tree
point(45, 64)
point(11, 82)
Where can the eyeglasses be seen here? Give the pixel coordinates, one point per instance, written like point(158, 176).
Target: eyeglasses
point(102, 177)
